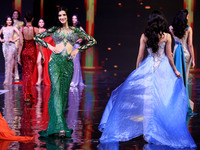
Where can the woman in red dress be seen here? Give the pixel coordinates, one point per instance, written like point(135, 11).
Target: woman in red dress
point(28, 55)
point(41, 74)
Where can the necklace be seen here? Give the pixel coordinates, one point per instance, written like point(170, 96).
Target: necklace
point(65, 28)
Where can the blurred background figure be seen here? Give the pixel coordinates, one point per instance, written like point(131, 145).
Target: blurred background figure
point(77, 79)
point(18, 24)
point(41, 74)
point(8, 47)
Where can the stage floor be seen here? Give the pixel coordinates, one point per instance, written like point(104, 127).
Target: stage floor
point(83, 114)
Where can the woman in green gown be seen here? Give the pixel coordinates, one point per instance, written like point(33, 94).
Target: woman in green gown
point(61, 70)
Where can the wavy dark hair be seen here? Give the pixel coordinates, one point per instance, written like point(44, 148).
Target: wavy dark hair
point(19, 15)
point(6, 20)
point(179, 23)
point(78, 24)
point(156, 25)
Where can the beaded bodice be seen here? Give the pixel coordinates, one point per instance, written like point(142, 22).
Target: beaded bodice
point(7, 34)
point(70, 37)
point(157, 57)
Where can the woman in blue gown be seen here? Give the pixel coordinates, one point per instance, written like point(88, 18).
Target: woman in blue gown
point(148, 102)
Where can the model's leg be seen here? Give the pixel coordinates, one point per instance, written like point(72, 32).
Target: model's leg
point(39, 67)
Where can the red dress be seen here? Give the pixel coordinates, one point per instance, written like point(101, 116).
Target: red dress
point(45, 66)
point(28, 58)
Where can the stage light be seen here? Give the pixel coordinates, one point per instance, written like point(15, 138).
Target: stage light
point(77, 8)
point(120, 4)
point(106, 58)
point(138, 15)
point(147, 7)
point(105, 70)
point(115, 66)
point(109, 48)
point(119, 44)
point(115, 74)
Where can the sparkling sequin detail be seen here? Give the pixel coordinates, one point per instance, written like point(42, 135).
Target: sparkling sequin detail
point(8, 52)
point(71, 37)
point(157, 57)
point(60, 73)
point(29, 57)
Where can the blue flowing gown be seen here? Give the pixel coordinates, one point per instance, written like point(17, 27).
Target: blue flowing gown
point(151, 102)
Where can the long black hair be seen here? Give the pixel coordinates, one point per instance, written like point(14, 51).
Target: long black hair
point(156, 25)
point(179, 23)
point(5, 24)
point(69, 18)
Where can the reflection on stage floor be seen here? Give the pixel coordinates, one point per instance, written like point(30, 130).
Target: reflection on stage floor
point(83, 114)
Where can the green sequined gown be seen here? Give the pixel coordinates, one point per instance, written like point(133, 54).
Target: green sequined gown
point(60, 73)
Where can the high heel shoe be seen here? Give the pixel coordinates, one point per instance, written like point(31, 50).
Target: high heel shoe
point(67, 133)
point(39, 82)
point(62, 134)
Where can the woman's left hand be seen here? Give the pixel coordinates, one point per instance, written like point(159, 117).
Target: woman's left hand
point(178, 74)
point(19, 61)
point(74, 53)
point(79, 40)
point(11, 41)
point(193, 64)
point(43, 59)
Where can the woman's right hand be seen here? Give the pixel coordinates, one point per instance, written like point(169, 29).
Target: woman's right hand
point(193, 64)
point(54, 49)
point(42, 59)
point(19, 61)
point(178, 74)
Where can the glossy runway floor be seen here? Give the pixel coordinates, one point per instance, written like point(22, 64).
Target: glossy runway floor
point(83, 114)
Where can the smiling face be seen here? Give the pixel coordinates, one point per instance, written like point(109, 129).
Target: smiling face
point(8, 21)
point(41, 23)
point(62, 16)
point(15, 15)
point(74, 20)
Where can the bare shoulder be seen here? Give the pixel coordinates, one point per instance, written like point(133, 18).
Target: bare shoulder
point(190, 30)
point(168, 37)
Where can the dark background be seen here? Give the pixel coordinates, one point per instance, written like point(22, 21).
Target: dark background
point(116, 27)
